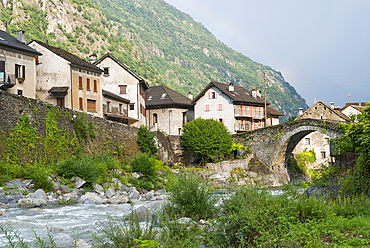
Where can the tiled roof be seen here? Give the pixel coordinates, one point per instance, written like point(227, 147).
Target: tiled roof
point(113, 96)
point(108, 55)
point(11, 42)
point(360, 106)
point(273, 112)
point(73, 59)
point(158, 96)
point(239, 95)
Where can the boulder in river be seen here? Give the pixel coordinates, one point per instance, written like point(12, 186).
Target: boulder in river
point(31, 203)
point(39, 194)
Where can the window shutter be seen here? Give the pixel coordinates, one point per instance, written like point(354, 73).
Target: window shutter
point(80, 82)
point(223, 121)
point(209, 95)
point(23, 71)
point(36, 59)
point(16, 71)
point(81, 103)
point(95, 86)
point(216, 95)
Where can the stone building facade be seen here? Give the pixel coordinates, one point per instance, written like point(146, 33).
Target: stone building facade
point(66, 80)
point(118, 79)
point(17, 61)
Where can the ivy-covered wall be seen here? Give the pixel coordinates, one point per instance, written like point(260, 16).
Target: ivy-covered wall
point(33, 132)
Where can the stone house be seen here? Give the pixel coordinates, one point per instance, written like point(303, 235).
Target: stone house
point(17, 65)
point(167, 110)
point(321, 111)
point(238, 108)
point(118, 79)
point(65, 80)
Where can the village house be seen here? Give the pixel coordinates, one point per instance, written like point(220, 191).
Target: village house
point(353, 109)
point(120, 81)
point(17, 65)
point(236, 107)
point(66, 80)
point(273, 117)
point(321, 111)
point(167, 110)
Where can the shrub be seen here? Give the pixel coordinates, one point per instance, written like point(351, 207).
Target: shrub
point(40, 178)
point(190, 197)
point(143, 164)
point(146, 141)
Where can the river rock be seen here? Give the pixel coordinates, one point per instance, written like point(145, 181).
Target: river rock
point(39, 194)
point(77, 182)
point(93, 197)
point(124, 187)
point(136, 175)
point(10, 185)
point(109, 193)
point(118, 199)
point(143, 214)
point(97, 188)
point(134, 194)
point(38, 210)
point(82, 243)
point(63, 240)
point(184, 220)
point(64, 189)
point(31, 203)
point(27, 182)
point(115, 180)
point(3, 206)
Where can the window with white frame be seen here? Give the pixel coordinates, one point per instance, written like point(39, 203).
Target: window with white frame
point(208, 108)
point(307, 141)
point(219, 106)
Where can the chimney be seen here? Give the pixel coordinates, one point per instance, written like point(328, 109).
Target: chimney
point(21, 36)
point(190, 96)
point(231, 87)
point(259, 93)
point(332, 105)
point(300, 112)
point(254, 93)
point(93, 58)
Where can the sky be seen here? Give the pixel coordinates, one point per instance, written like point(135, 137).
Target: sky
point(322, 48)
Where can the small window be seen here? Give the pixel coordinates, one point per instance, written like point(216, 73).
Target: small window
point(307, 141)
point(2, 71)
point(108, 107)
point(214, 95)
point(91, 105)
point(95, 85)
point(155, 118)
point(149, 98)
point(20, 71)
point(163, 95)
point(326, 140)
point(183, 118)
point(87, 83)
point(208, 107)
point(219, 106)
point(132, 106)
point(122, 89)
point(179, 130)
point(81, 105)
point(323, 154)
point(106, 71)
point(221, 120)
point(20, 92)
point(36, 60)
point(60, 101)
point(80, 82)
point(120, 108)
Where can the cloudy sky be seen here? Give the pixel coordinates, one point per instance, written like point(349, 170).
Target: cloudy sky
point(321, 47)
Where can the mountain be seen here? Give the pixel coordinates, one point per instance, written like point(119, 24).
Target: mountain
point(156, 40)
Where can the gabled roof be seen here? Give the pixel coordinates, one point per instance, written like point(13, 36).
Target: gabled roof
point(73, 59)
point(161, 96)
point(113, 96)
point(108, 55)
point(239, 95)
point(273, 112)
point(328, 108)
point(7, 40)
point(360, 106)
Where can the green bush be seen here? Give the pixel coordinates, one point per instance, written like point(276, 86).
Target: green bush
point(143, 164)
point(40, 178)
point(191, 197)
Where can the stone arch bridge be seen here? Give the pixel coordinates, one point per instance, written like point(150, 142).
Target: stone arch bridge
point(273, 145)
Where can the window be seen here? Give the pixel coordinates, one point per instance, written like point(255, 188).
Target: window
point(183, 118)
point(95, 85)
point(219, 106)
point(120, 108)
point(179, 130)
point(326, 140)
point(81, 105)
point(323, 154)
point(60, 101)
point(163, 95)
point(88, 83)
point(20, 71)
point(307, 141)
point(155, 118)
point(106, 71)
point(108, 107)
point(142, 92)
point(142, 110)
point(36, 60)
point(123, 89)
point(132, 106)
point(221, 120)
point(212, 95)
point(80, 82)
point(20, 92)
point(91, 105)
point(208, 107)
point(2, 71)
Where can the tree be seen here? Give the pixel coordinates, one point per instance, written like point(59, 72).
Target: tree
point(146, 141)
point(291, 118)
point(207, 137)
point(356, 139)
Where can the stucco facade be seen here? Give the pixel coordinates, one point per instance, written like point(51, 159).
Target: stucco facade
point(81, 86)
point(120, 80)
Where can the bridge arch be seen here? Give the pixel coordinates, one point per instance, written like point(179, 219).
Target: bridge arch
point(273, 145)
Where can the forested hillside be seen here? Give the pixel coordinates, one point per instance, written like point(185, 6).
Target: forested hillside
point(159, 42)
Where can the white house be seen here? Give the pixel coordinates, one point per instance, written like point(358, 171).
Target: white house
point(353, 108)
point(118, 79)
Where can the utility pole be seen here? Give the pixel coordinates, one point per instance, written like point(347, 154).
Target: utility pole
point(349, 97)
point(264, 79)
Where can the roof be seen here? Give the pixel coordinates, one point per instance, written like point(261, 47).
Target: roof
point(360, 106)
point(7, 40)
point(58, 89)
point(113, 96)
point(273, 112)
point(108, 55)
point(73, 59)
point(239, 95)
point(159, 96)
point(335, 111)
